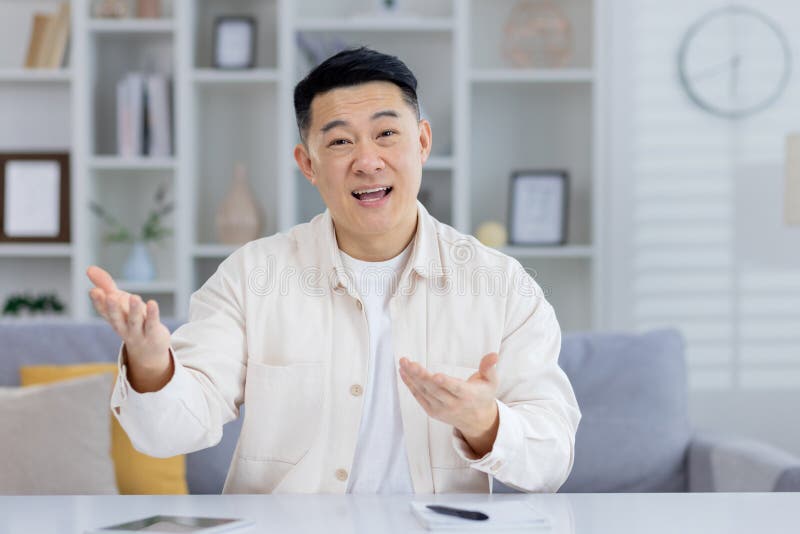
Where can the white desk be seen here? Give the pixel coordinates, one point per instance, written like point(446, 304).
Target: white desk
point(731, 513)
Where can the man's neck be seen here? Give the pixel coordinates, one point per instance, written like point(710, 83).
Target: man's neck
point(377, 248)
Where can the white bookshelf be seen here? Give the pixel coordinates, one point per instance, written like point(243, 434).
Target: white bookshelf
point(213, 250)
point(35, 75)
point(385, 23)
point(35, 250)
point(532, 75)
point(574, 251)
point(210, 76)
point(488, 119)
point(152, 287)
point(135, 164)
point(123, 26)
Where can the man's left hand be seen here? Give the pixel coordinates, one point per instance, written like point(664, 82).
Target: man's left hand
point(468, 405)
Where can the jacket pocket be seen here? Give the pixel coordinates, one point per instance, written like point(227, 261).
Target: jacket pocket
point(283, 409)
point(443, 454)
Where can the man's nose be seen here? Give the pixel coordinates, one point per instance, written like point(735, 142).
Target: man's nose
point(367, 159)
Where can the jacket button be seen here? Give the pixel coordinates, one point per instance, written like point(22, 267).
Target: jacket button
point(356, 390)
point(359, 305)
point(341, 474)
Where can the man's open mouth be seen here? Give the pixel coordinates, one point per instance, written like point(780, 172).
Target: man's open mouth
point(372, 195)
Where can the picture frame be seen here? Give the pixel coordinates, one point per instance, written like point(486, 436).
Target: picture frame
point(234, 42)
point(35, 197)
point(538, 208)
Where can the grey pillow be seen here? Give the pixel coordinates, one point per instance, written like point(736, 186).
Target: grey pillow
point(56, 438)
point(631, 389)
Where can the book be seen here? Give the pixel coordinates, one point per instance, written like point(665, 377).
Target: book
point(130, 115)
point(159, 115)
point(504, 514)
point(48, 36)
point(54, 54)
point(38, 27)
point(48, 44)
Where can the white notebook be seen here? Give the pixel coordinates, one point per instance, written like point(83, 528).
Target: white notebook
point(517, 514)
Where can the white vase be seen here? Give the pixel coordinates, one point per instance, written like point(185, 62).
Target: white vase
point(238, 218)
point(139, 266)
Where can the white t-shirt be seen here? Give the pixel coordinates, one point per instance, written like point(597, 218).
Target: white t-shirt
point(380, 464)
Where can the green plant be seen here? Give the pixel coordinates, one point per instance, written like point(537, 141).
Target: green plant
point(46, 302)
point(151, 230)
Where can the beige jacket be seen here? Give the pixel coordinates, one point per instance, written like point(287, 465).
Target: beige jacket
point(279, 327)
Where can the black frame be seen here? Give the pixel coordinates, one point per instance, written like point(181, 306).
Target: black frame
point(63, 159)
point(218, 21)
point(540, 173)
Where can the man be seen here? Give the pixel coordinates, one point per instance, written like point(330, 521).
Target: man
point(307, 330)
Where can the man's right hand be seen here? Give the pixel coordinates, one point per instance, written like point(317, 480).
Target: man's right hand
point(146, 339)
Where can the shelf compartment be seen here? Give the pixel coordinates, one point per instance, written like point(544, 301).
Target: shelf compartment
point(236, 108)
point(556, 119)
point(488, 20)
point(36, 275)
point(113, 57)
point(264, 11)
point(37, 116)
point(129, 197)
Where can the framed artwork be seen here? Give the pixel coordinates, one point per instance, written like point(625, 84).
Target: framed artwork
point(34, 197)
point(234, 42)
point(538, 205)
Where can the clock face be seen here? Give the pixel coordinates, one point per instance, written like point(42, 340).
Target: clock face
point(734, 62)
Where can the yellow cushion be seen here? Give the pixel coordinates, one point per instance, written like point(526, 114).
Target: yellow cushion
point(137, 473)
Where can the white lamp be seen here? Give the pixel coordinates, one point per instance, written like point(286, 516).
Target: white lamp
point(792, 203)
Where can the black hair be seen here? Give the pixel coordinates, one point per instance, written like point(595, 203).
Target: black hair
point(352, 67)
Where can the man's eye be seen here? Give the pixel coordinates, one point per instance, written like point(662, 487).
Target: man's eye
point(338, 142)
point(388, 133)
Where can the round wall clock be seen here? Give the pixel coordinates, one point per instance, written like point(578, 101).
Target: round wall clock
point(734, 62)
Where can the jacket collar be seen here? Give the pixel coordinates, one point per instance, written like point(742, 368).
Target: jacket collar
point(425, 260)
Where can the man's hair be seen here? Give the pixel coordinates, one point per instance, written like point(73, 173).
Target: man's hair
point(348, 68)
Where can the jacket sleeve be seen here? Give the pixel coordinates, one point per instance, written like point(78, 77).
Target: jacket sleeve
point(206, 391)
point(539, 415)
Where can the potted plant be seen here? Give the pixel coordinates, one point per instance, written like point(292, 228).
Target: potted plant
point(26, 304)
point(139, 266)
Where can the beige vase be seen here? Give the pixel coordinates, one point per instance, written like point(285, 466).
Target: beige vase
point(238, 217)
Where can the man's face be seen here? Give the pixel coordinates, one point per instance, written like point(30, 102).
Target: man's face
point(364, 152)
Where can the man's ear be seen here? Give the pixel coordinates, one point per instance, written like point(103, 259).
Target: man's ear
point(304, 162)
point(425, 139)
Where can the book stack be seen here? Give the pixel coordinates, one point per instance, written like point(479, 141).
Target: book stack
point(47, 46)
point(144, 115)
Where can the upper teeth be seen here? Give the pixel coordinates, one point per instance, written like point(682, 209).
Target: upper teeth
point(370, 190)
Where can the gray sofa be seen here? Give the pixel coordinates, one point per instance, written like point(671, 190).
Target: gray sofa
point(635, 434)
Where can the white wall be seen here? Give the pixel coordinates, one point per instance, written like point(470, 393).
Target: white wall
point(696, 232)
